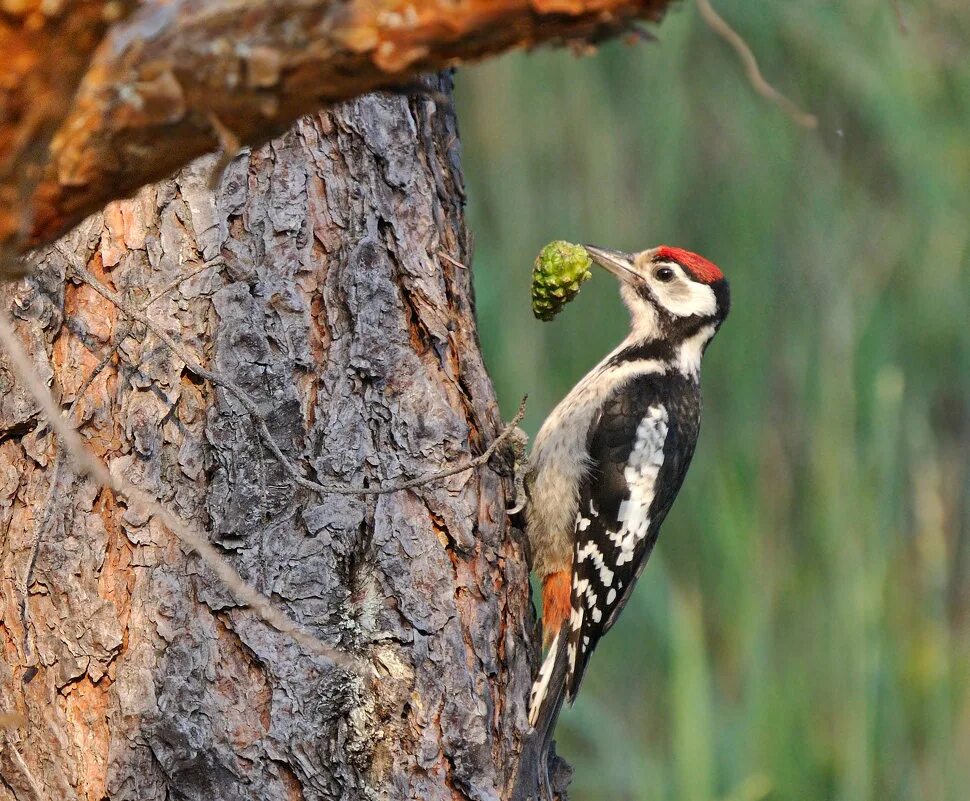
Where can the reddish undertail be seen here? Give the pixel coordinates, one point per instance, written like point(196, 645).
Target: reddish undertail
point(548, 691)
point(555, 604)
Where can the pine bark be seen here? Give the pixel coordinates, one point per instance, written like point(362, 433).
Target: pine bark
point(327, 285)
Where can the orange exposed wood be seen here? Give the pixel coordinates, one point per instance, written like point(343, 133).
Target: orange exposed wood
point(46, 48)
point(178, 80)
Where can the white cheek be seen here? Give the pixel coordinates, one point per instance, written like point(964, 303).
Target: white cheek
point(686, 297)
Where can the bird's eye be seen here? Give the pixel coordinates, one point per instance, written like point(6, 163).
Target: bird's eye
point(664, 274)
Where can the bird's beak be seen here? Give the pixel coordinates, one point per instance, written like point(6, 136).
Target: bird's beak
point(614, 261)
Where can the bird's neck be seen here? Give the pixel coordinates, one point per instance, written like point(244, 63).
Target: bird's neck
point(663, 353)
point(690, 349)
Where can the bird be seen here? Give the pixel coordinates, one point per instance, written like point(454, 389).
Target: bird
point(609, 461)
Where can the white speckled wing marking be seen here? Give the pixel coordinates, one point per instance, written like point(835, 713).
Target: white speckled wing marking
point(641, 471)
point(603, 546)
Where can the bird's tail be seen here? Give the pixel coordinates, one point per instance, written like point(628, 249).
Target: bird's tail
point(545, 702)
point(549, 689)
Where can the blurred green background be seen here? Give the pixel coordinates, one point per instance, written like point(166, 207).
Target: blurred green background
point(802, 631)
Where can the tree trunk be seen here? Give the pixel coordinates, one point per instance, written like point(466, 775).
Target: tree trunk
point(325, 282)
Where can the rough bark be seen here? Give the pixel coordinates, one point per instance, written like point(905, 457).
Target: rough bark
point(179, 79)
point(327, 298)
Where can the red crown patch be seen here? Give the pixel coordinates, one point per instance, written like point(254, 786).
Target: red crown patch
point(699, 267)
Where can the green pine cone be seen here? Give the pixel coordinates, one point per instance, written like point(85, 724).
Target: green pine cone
point(560, 270)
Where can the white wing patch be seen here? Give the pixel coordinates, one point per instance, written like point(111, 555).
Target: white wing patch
point(641, 471)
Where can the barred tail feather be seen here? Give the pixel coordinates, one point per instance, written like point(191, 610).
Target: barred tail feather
point(540, 690)
point(545, 702)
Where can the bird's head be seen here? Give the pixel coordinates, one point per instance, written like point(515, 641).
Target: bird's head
point(672, 294)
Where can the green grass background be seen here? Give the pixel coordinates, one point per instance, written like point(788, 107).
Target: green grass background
point(802, 630)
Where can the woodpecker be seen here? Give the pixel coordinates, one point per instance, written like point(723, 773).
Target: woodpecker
point(608, 462)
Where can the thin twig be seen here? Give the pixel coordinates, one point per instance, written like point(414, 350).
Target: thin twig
point(125, 331)
point(109, 354)
point(250, 406)
point(452, 260)
point(53, 501)
point(176, 283)
point(478, 461)
point(717, 24)
point(51, 510)
point(87, 462)
point(192, 537)
point(25, 773)
point(230, 146)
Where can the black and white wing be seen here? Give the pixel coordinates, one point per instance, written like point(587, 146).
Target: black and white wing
point(640, 448)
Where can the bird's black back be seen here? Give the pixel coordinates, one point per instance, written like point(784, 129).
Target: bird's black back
point(612, 438)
